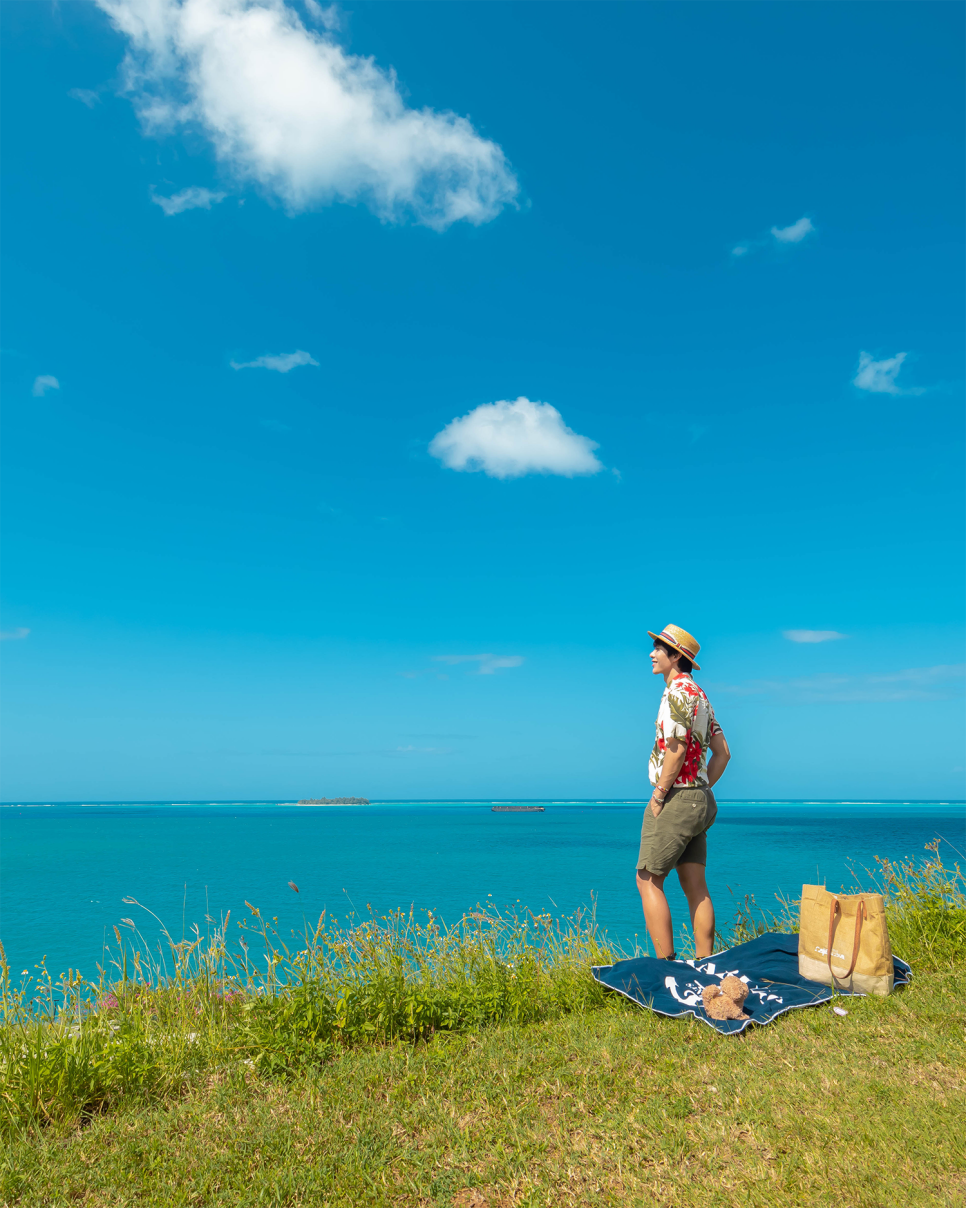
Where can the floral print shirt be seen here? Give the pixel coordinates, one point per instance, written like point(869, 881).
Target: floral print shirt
point(685, 713)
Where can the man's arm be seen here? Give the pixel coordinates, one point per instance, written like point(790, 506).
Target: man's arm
point(670, 770)
point(720, 754)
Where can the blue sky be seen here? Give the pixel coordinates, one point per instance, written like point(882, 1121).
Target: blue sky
point(609, 315)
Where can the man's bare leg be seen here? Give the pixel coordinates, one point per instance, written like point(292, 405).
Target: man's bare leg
point(699, 903)
point(657, 913)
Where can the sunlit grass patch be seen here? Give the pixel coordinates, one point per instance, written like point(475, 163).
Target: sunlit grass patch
point(211, 1005)
point(235, 1012)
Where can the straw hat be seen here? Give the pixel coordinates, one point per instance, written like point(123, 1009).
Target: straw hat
point(680, 640)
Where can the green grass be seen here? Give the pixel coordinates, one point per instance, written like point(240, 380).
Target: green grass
point(927, 908)
point(482, 1066)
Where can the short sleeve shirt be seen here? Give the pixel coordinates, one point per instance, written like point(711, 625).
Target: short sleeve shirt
point(686, 714)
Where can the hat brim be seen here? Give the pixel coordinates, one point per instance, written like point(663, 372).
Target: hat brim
point(674, 646)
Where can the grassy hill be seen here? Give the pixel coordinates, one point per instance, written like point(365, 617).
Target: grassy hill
point(483, 1067)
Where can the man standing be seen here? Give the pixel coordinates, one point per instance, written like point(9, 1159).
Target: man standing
point(682, 807)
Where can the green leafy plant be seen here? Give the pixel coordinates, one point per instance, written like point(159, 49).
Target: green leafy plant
point(925, 909)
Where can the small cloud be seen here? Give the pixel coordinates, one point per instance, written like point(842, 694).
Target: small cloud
point(329, 18)
point(424, 750)
point(273, 425)
point(790, 234)
point(489, 663)
point(194, 198)
point(86, 96)
point(794, 233)
point(493, 665)
point(696, 431)
point(813, 635)
point(879, 377)
point(42, 384)
point(438, 736)
point(13, 635)
point(508, 440)
point(913, 684)
point(281, 362)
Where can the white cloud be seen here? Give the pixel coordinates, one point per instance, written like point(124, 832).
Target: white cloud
point(86, 96)
point(790, 234)
point(193, 198)
point(812, 635)
point(411, 750)
point(879, 377)
point(13, 635)
point(274, 425)
point(507, 440)
point(329, 18)
point(282, 362)
point(43, 383)
point(288, 108)
point(912, 684)
point(489, 663)
point(794, 233)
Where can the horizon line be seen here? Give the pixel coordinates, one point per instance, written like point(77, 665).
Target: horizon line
point(504, 801)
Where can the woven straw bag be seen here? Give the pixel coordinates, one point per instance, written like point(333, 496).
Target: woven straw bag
point(843, 941)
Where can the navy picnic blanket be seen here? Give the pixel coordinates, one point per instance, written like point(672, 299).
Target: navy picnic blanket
point(768, 965)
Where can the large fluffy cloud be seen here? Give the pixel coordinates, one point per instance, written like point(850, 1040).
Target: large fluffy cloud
point(287, 107)
point(507, 440)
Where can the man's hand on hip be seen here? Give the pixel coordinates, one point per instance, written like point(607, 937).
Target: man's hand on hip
point(670, 770)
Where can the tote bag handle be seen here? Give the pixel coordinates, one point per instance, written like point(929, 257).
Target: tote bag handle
point(859, 917)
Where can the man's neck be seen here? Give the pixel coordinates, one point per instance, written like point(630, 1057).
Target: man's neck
point(672, 675)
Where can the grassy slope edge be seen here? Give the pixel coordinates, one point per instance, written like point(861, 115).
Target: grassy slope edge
point(601, 1105)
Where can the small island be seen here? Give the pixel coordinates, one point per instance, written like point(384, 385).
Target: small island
point(333, 801)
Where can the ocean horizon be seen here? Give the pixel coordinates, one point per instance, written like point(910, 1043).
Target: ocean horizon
point(66, 866)
point(429, 801)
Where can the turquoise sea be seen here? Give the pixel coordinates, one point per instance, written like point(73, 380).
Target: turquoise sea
point(64, 868)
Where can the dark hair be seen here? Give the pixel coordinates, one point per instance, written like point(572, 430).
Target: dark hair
point(684, 663)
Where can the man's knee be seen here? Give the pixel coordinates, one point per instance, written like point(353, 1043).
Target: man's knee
point(646, 879)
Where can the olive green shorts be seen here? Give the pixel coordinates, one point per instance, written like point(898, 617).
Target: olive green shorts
point(678, 835)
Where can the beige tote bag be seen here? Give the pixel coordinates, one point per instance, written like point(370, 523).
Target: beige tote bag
point(843, 941)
